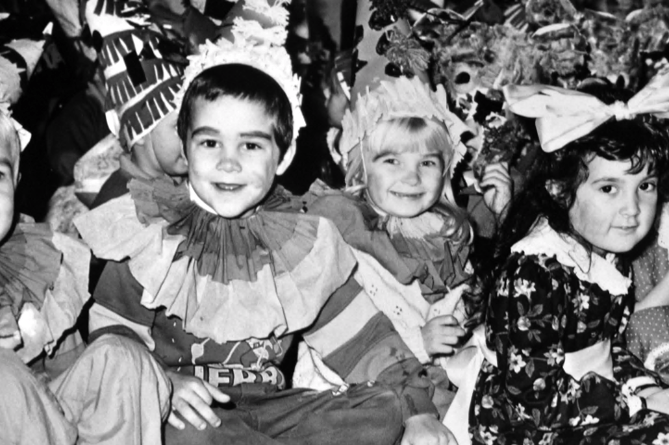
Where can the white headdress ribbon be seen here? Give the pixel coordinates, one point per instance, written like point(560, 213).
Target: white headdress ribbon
point(562, 116)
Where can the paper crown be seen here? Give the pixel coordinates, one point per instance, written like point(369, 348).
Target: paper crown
point(257, 46)
point(140, 66)
point(399, 98)
point(390, 81)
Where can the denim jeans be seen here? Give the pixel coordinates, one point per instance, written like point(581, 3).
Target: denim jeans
point(363, 414)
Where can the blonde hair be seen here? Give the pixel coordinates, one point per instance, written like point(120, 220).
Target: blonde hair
point(413, 134)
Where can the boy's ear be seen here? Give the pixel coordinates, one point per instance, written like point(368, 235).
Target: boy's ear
point(140, 144)
point(287, 159)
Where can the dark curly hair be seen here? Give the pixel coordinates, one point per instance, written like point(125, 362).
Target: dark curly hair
point(644, 141)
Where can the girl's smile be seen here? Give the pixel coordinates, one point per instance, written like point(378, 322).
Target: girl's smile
point(404, 183)
point(614, 209)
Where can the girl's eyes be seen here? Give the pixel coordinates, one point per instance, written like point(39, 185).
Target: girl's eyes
point(391, 161)
point(608, 189)
point(429, 164)
point(648, 186)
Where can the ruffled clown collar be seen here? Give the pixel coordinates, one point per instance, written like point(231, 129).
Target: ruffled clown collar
point(44, 285)
point(589, 267)
point(226, 279)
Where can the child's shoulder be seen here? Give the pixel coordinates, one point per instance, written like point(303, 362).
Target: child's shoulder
point(45, 284)
point(336, 205)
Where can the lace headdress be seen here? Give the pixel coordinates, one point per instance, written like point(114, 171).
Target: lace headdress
point(254, 45)
point(399, 98)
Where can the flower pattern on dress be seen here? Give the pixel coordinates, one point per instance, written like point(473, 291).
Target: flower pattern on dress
point(528, 397)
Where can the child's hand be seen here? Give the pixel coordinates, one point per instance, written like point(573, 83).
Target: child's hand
point(192, 399)
point(11, 341)
point(658, 400)
point(425, 429)
point(10, 336)
point(497, 187)
point(441, 334)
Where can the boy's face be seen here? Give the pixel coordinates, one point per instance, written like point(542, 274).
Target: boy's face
point(8, 178)
point(233, 157)
point(614, 209)
point(167, 146)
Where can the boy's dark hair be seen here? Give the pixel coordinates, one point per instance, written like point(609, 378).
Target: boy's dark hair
point(240, 82)
point(643, 140)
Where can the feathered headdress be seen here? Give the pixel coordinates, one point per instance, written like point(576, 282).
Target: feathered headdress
point(254, 45)
point(391, 80)
point(399, 98)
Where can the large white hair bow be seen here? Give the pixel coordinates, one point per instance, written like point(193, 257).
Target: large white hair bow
point(562, 116)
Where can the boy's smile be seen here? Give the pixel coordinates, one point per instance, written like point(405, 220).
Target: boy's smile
point(233, 157)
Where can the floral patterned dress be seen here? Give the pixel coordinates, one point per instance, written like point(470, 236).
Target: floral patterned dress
point(552, 302)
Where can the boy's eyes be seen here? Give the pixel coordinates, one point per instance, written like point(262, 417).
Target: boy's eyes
point(608, 189)
point(213, 143)
point(252, 146)
point(209, 143)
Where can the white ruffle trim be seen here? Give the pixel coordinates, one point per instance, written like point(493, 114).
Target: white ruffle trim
point(592, 268)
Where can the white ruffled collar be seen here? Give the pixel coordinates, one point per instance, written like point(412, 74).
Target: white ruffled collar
point(419, 227)
point(592, 268)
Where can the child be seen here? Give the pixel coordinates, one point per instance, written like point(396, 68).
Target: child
point(142, 88)
point(396, 207)
point(222, 272)
point(44, 279)
point(557, 371)
point(648, 332)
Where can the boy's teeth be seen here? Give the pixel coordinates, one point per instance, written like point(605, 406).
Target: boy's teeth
point(227, 187)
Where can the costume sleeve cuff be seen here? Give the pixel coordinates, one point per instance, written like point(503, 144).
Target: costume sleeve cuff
point(416, 401)
point(413, 337)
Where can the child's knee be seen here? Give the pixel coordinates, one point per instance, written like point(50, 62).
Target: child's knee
point(17, 380)
point(115, 365)
point(381, 414)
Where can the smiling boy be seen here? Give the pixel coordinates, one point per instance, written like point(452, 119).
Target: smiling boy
point(218, 284)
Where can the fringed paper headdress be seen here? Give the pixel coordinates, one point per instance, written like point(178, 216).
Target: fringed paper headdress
point(399, 98)
point(140, 65)
point(390, 80)
point(254, 45)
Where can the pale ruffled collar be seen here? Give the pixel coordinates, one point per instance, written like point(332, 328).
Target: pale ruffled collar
point(588, 267)
point(419, 227)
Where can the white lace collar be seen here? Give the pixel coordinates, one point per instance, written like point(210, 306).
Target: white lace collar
point(592, 268)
